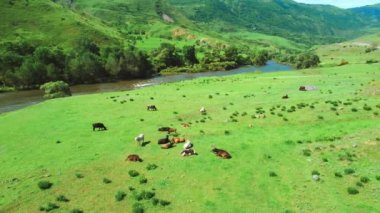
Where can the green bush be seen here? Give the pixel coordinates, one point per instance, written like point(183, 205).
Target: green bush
point(147, 195)
point(79, 176)
point(62, 198)
point(306, 152)
point(49, 207)
point(120, 195)
point(151, 167)
point(76, 211)
point(272, 174)
point(143, 180)
point(107, 181)
point(164, 203)
point(349, 171)
point(155, 201)
point(133, 173)
point(57, 89)
point(338, 174)
point(138, 208)
point(44, 185)
point(364, 179)
point(360, 184)
point(378, 177)
point(352, 191)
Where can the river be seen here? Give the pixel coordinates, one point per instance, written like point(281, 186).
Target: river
point(11, 101)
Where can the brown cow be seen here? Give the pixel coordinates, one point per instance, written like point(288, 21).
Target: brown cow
point(178, 140)
point(164, 140)
point(221, 153)
point(170, 130)
point(134, 158)
point(285, 96)
point(167, 145)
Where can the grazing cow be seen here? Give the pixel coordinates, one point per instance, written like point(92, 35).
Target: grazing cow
point(187, 145)
point(178, 140)
point(285, 96)
point(203, 110)
point(99, 126)
point(164, 140)
point(140, 139)
point(167, 145)
point(163, 129)
point(302, 88)
point(260, 116)
point(170, 130)
point(134, 158)
point(188, 152)
point(151, 108)
point(221, 153)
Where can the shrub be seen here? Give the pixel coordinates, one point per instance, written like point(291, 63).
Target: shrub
point(79, 176)
point(367, 108)
point(226, 132)
point(354, 110)
point(352, 191)
point(143, 180)
point(49, 207)
point(62, 198)
point(133, 173)
point(151, 166)
point(378, 177)
point(44, 185)
point(364, 179)
point(138, 208)
point(164, 203)
point(320, 117)
point(155, 201)
point(56, 89)
point(107, 181)
point(325, 160)
point(147, 195)
point(272, 174)
point(131, 188)
point(76, 211)
point(338, 174)
point(349, 171)
point(210, 96)
point(360, 184)
point(120, 195)
point(306, 152)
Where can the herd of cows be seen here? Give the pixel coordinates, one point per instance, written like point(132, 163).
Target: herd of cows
point(167, 143)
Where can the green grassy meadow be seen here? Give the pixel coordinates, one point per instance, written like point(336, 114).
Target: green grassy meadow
point(328, 130)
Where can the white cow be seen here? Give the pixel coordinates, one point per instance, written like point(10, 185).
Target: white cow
point(203, 110)
point(187, 145)
point(140, 139)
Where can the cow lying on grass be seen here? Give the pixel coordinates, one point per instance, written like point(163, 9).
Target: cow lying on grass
point(151, 108)
point(188, 152)
point(134, 158)
point(221, 153)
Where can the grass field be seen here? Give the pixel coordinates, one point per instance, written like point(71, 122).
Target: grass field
point(329, 130)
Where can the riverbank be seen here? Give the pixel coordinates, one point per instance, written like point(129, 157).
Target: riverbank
point(19, 99)
point(274, 157)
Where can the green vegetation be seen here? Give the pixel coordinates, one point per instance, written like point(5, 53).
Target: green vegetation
point(44, 185)
point(260, 146)
point(56, 89)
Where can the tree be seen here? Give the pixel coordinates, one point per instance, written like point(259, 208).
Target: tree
point(56, 89)
point(189, 55)
point(307, 60)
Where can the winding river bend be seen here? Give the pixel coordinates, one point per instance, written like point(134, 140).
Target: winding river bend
point(16, 100)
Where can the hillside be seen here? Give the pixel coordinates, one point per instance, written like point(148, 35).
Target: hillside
point(300, 22)
point(371, 13)
point(48, 23)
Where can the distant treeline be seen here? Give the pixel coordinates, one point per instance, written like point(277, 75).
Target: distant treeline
point(23, 65)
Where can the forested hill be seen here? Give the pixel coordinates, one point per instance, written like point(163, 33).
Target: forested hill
point(370, 12)
point(286, 18)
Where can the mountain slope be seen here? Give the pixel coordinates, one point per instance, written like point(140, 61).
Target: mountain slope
point(371, 13)
point(42, 21)
point(286, 18)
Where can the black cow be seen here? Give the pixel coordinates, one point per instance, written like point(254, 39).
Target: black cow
point(151, 108)
point(99, 126)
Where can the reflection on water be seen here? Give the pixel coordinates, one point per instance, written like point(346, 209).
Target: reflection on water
point(17, 100)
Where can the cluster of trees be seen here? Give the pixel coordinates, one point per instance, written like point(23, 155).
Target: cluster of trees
point(299, 60)
point(23, 65)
